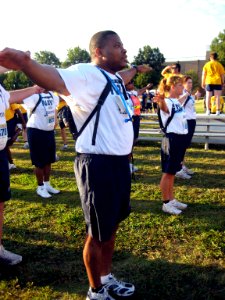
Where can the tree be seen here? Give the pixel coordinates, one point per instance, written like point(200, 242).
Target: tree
point(76, 55)
point(218, 45)
point(47, 57)
point(152, 57)
point(16, 80)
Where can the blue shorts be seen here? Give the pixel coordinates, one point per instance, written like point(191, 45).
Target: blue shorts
point(171, 162)
point(213, 87)
point(191, 130)
point(11, 127)
point(5, 193)
point(136, 126)
point(42, 146)
point(104, 184)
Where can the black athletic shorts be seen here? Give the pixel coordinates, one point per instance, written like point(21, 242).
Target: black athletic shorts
point(42, 146)
point(5, 193)
point(213, 87)
point(171, 162)
point(136, 126)
point(104, 184)
point(63, 116)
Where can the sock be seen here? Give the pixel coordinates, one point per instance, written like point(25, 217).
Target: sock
point(46, 182)
point(40, 184)
point(166, 201)
point(105, 278)
point(97, 290)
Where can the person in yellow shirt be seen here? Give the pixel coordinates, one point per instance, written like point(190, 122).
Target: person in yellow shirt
point(173, 69)
point(213, 107)
point(25, 119)
point(212, 81)
point(13, 131)
point(62, 120)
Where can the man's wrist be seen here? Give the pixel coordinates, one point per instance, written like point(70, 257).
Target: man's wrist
point(135, 67)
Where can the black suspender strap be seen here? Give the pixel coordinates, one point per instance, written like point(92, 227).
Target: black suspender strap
point(39, 101)
point(164, 128)
point(96, 111)
point(186, 101)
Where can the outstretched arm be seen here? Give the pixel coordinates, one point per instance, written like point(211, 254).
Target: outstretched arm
point(18, 95)
point(129, 74)
point(43, 75)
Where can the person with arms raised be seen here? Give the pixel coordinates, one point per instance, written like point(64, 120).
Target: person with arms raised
point(95, 92)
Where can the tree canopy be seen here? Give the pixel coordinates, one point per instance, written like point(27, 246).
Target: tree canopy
point(218, 45)
point(76, 55)
point(48, 58)
point(152, 57)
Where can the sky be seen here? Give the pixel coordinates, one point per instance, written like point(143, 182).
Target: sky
point(181, 29)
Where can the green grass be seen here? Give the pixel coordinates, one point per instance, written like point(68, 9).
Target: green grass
point(166, 257)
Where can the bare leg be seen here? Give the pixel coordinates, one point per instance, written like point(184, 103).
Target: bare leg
point(39, 172)
point(97, 259)
point(207, 99)
point(63, 135)
point(166, 186)
point(47, 171)
point(217, 96)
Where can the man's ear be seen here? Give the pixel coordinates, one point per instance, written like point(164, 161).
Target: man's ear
point(98, 52)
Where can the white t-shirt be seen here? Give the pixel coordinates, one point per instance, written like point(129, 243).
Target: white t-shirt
point(4, 104)
point(178, 123)
point(190, 108)
point(85, 84)
point(44, 116)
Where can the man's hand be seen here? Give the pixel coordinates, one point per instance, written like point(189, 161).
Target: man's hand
point(13, 59)
point(144, 69)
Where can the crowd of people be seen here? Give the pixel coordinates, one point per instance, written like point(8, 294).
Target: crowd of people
point(106, 111)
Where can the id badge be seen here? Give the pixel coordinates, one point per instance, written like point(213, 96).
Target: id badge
point(51, 120)
point(120, 104)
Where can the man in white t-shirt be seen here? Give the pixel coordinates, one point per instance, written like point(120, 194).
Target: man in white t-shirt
point(102, 165)
point(7, 257)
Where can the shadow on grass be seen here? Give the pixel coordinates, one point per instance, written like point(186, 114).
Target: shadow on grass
point(69, 198)
point(63, 270)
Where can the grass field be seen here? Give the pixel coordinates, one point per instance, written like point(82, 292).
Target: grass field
point(166, 257)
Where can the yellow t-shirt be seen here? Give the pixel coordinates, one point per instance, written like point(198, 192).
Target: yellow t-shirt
point(10, 112)
point(213, 70)
point(61, 104)
point(22, 109)
point(213, 104)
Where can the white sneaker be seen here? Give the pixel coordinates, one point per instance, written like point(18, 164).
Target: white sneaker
point(12, 166)
point(208, 112)
point(178, 204)
point(170, 209)
point(118, 288)
point(64, 147)
point(217, 113)
point(133, 168)
point(41, 191)
point(26, 145)
point(56, 157)
point(188, 171)
point(101, 295)
point(8, 257)
point(50, 189)
point(182, 174)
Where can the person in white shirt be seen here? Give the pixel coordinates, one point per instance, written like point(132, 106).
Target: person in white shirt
point(102, 165)
point(187, 100)
point(41, 138)
point(7, 257)
point(174, 142)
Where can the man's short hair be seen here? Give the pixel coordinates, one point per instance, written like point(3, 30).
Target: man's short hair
point(213, 55)
point(177, 66)
point(99, 40)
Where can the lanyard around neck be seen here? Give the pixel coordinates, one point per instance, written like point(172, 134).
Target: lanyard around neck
point(118, 92)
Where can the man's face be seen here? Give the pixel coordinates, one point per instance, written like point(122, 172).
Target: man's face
point(113, 53)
